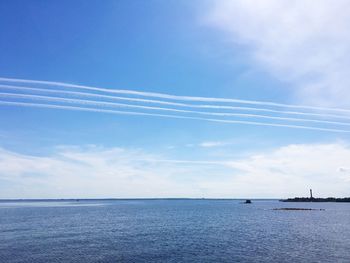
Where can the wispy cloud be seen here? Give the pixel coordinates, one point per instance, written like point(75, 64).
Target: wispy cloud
point(293, 169)
point(344, 170)
point(93, 171)
point(210, 144)
point(305, 42)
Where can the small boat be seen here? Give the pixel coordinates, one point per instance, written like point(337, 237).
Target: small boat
point(248, 201)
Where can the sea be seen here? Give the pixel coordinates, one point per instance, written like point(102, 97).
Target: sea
point(172, 230)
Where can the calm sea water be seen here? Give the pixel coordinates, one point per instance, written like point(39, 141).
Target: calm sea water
point(173, 231)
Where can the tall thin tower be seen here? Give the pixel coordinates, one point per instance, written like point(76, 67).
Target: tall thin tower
point(311, 194)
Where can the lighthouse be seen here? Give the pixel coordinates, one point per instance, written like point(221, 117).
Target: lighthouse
point(311, 197)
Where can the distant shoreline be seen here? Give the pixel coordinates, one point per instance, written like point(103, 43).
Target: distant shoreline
point(295, 199)
point(319, 200)
point(128, 199)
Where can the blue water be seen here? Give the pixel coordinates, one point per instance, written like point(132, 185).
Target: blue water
point(173, 231)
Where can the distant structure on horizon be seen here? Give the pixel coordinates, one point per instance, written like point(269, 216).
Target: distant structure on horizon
point(313, 199)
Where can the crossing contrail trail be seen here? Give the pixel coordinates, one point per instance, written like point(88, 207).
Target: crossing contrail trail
point(171, 97)
point(123, 105)
point(202, 106)
point(75, 108)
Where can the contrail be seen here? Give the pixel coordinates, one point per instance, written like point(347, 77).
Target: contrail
point(171, 97)
point(123, 105)
point(203, 106)
point(74, 108)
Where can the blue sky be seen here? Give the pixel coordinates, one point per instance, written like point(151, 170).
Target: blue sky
point(291, 53)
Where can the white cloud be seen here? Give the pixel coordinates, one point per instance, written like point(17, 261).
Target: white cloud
point(344, 170)
point(89, 172)
point(306, 42)
point(210, 144)
point(293, 169)
point(92, 171)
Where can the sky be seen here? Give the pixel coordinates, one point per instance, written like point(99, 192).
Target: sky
point(200, 98)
